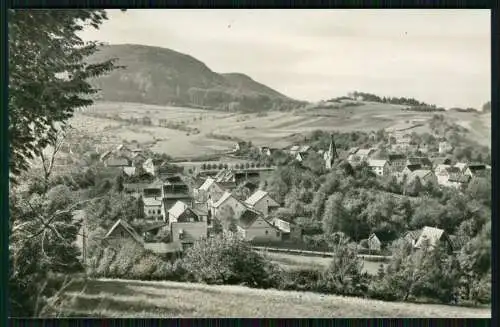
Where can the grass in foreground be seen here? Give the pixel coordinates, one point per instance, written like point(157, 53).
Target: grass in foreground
point(134, 299)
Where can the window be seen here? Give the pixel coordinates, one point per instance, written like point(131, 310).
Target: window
point(267, 232)
point(159, 211)
point(122, 234)
point(278, 234)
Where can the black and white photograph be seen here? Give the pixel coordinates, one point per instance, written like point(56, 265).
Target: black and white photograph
point(249, 163)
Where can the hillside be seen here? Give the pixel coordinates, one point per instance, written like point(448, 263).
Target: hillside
point(127, 298)
point(160, 76)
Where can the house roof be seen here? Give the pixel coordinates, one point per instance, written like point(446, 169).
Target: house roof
point(206, 184)
point(373, 236)
point(127, 227)
point(148, 161)
point(461, 165)
point(452, 170)
point(285, 228)
point(396, 156)
point(117, 162)
point(104, 155)
point(352, 150)
point(413, 234)
point(226, 175)
point(151, 202)
point(247, 218)
point(255, 197)
point(457, 242)
point(153, 226)
point(420, 173)
point(295, 148)
point(223, 199)
point(377, 163)
point(429, 233)
point(476, 167)
point(129, 171)
point(413, 167)
point(459, 177)
point(178, 209)
point(304, 148)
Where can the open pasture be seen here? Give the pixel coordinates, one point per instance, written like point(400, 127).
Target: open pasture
point(266, 129)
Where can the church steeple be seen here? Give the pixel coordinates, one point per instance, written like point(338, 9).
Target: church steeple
point(332, 154)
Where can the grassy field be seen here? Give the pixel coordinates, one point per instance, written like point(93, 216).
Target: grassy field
point(272, 129)
point(134, 299)
point(293, 261)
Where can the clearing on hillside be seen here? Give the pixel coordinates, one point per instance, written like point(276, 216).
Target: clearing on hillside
point(134, 299)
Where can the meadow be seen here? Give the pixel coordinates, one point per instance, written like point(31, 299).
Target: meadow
point(293, 261)
point(275, 129)
point(133, 299)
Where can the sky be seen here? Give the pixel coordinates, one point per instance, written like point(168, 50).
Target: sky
point(441, 57)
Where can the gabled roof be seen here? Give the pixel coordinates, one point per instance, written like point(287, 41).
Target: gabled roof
point(295, 148)
point(476, 167)
point(223, 199)
point(377, 163)
point(396, 156)
point(373, 236)
point(457, 242)
point(364, 152)
point(352, 150)
point(461, 165)
point(117, 162)
point(452, 170)
point(283, 227)
point(304, 148)
point(178, 209)
point(413, 234)
point(148, 161)
point(153, 226)
point(207, 184)
point(247, 218)
point(459, 177)
point(151, 202)
point(432, 234)
point(127, 227)
point(256, 197)
point(413, 167)
point(441, 161)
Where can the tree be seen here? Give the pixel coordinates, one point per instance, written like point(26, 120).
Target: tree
point(55, 142)
point(44, 46)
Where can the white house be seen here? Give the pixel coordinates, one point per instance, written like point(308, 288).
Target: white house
point(252, 226)
point(181, 212)
point(149, 166)
point(227, 207)
point(262, 202)
point(153, 208)
point(374, 243)
point(379, 167)
point(210, 189)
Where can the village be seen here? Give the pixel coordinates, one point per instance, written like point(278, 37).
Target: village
point(181, 205)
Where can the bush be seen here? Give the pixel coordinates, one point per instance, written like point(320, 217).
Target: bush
point(225, 259)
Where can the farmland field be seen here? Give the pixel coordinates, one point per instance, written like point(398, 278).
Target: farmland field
point(129, 299)
point(271, 129)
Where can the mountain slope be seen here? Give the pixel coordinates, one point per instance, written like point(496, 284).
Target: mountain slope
point(161, 76)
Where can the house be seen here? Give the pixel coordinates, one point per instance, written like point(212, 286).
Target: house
point(458, 242)
point(137, 188)
point(153, 208)
point(182, 213)
point(170, 199)
point(149, 167)
point(122, 231)
point(289, 230)
point(267, 151)
point(123, 150)
point(445, 147)
point(187, 233)
point(153, 230)
point(129, 171)
point(412, 236)
point(252, 226)
point(352, 151)
point(425, 176)
point(461, 165)
point(379, 167)
point(458, 180)
point(154, 190)
point(296, 149)
point(364, 154)
point(374, 243)
point(117, 162)
point(433, 236)
point(301, 156)
point(226, 178)
point(475, 170)
point(209, 190)
point(202, 210)
point(397, 162)
point(240, 146)
point(410, 168)
point(138, 159)
point(227, 207)
point(444, 172)
point(262, 202)
point(424, 162)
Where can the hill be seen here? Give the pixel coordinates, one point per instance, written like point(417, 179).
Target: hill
point(159, 76)
point(127, 298)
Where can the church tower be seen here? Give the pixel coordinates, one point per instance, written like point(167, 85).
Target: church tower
point(331, 155)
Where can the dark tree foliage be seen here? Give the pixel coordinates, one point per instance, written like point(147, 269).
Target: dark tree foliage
point(48, 76)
